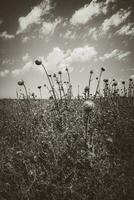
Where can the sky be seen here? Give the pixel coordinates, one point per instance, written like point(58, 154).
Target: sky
point(82, 35)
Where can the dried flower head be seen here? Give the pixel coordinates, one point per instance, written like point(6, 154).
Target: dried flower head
point(86, 89)
point(60, 72)
point(38, 62)
point(39, 87)
point(102, 69)
point(54, 75)
point(20, 83)
point(88, 106)
point(91, 71)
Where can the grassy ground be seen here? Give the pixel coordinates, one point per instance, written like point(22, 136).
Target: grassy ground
point(47, 154)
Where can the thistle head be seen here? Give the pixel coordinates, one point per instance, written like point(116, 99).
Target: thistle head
point(54, 75)
point(88, 106)
point(102, 69)
point(38, 62)
point(86, 89)
point(59, 72)
point(123, 82)
point(39, 87)
point(105, 80)
point(20, 83)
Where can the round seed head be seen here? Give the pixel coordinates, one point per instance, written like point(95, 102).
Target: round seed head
point(20, 83)
point(38, 62)
point(88, 106)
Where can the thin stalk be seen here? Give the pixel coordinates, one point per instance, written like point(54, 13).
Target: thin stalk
point(98, 85)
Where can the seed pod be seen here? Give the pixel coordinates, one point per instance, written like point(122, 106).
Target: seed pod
point(20, 83)
point(88, 106)
point(38, 62)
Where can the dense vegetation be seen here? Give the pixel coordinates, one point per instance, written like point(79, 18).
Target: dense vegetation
point(65, 148)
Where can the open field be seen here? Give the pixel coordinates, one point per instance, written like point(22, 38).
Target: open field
point(67, 154)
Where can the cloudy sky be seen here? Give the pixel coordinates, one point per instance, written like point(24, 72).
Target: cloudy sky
point(78, 34)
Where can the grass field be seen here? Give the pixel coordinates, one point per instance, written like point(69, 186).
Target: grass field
point(68, 148)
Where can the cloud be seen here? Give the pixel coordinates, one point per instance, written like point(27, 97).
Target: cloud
point(115, 54)
point(69, 34)
point(26, 68)
point(48, 28)
point(94, 33)
point(7, 61)
point(126, 30)
point(4, 73)
point(6, 36)
point(89, 11)
point(58, 59)
point(25, 39)
point(82, 54)
point(33, 17)
point(25, 57)
point(115, 20)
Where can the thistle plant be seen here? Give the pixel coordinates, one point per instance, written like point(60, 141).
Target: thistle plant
point(39, 87)
point(22, 83)
point(38, 62)
point(89, 84)
point(98, 84)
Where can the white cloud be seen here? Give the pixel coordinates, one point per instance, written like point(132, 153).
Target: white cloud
point(115, 20)
point(25, 57)
point(58, 59)
point(26, 68)
point(6, 36)
point(48, 28)
point(94, 33)
point(7, 61)
point(25, 39)
point(34, 16)
point(4, 73)
point(82, 54)
point(69, 35)
point(122, 55)
point(115, 54)
point(86, 13)
point(126, 30)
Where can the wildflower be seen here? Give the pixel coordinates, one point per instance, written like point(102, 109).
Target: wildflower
point(60, 72)
point(102, 69)
point(39, 87)
point(54, 75)
point(66, 69)
point(105, 80)
point(86, 89)
point(123, 82)
point(38, 62)
point(20, 83)
point(91, 71)
point(88, 106)
point(115, 84)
